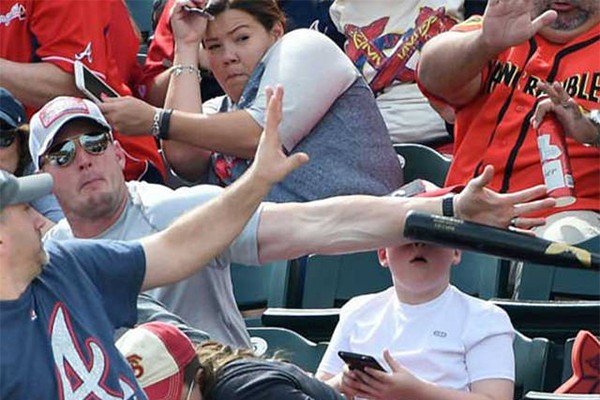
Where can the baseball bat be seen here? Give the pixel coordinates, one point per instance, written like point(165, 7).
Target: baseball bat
point(498, 242)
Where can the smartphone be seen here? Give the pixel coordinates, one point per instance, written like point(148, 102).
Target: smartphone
point(359, 361)
point(410, 189)
point(91, 85)
point(200, 11)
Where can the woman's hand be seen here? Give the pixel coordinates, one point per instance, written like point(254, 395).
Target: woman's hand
point(480, 204)
point(188, 27)
point(128, 115)
point(567, 111)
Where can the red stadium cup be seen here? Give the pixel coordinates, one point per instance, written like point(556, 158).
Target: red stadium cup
point(556, 166)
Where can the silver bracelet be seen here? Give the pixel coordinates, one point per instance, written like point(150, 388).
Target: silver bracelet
point(156, 122)
point(179, 69)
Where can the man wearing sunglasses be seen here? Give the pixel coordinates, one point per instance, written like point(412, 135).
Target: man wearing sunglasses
point(97, 203)
point(60, 302)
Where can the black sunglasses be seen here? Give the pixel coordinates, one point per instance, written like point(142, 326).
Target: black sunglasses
point(7, 137)
point(62, 154)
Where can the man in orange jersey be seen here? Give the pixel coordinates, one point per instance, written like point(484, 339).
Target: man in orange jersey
point(495, 69)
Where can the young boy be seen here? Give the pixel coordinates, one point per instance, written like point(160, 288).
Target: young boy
point(438, 342)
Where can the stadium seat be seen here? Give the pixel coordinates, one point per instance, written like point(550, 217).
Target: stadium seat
point(294, 347)
point(256, 287)
point(141, 12)
point(531, 359)
point(422, 162)
point(330, 281)
point(542, 282)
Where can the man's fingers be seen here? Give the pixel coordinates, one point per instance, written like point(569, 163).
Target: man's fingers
point(543, 20)
point(525, 195)
point(541, 110)
point(484, 179)
point(534, 206)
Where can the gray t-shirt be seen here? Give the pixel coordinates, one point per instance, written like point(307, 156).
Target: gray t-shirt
point(329, 112)
point(205, 300)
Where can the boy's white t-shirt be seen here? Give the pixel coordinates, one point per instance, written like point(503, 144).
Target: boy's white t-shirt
point(384, 40)
point(452, 341)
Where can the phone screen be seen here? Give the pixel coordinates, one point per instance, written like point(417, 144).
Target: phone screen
point(96, 86)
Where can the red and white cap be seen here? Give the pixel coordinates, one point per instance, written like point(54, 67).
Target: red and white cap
point(46, 123)
point(158, 353)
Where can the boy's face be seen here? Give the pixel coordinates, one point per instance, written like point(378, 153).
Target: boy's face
point(419, 263)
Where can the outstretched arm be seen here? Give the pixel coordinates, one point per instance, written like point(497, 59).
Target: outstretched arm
point(358, 223)
point(205, 232)
point(451, 63)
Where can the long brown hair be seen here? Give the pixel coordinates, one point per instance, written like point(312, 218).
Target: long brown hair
point(267, 12)
point(212, 357)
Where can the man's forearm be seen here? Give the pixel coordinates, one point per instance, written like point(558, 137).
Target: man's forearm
point(202, 234)
point(343, 224)
point(451, 64)
point(35, 84)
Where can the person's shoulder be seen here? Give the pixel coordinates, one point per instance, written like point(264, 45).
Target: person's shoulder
point(479, 307)
point(60, 231)
point(367, 302)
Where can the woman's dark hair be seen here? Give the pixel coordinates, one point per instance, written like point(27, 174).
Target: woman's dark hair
point(22, 140)
point(266, 12)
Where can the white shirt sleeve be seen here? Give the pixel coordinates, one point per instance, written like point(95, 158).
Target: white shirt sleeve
point(331, 363)
point(313, 71)
point(490, 333)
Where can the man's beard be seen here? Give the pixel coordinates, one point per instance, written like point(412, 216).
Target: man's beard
point(571, 20)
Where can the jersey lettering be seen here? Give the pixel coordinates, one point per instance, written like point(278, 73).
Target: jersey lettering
point(17, 11)
point(86, 53)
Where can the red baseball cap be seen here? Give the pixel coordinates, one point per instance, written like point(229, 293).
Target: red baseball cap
point(158, 353)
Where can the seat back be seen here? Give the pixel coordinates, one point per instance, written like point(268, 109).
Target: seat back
point(422, 162)
point(531, 360)
point(542, 282)
point(330, 281)
point(141, 12)
point(294, 347)
point(256, 287)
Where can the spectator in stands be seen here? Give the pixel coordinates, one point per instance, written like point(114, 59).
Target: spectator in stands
point(489, 68)
point(330, 112)
point(111, 209)
point(384, 40)
point(437, 342)
point(14, 155)
point(40, 41)
point(59, 305)
point(168, 366)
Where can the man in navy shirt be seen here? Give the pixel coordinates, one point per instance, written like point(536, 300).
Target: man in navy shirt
point(59, 305)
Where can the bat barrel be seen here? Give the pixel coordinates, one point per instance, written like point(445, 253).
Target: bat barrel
point(498, 242)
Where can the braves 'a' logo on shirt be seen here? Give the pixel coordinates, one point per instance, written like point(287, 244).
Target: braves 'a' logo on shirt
point(389, 53)
point(86, 53)
point(17, 11)
point(81, 371)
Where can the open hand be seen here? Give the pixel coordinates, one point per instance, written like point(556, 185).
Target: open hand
point(508, 23)
point(271, 164)
point(567, 111)
point(128, 115)
point(480, 204)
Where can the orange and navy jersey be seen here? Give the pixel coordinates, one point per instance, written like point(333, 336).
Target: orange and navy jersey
point(60, 32)
point(494, 127)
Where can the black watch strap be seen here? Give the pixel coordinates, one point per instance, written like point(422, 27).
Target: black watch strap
point(448, 206)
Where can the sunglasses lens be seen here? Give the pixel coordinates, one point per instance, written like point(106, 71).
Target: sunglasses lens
point(62, 154)
point(94, 143)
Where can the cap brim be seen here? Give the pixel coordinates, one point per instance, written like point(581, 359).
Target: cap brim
point(23, 190)
point(8, 119)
